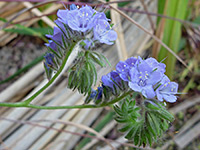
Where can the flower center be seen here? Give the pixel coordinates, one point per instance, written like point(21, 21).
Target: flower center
point(141, 82)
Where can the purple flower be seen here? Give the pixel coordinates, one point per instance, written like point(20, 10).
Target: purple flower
point(89, 44)
point(73, 7)
point(81, 19)
point(124, 67)
point(52, 45)
point(62, 16)
point(152, 62)
point(131, 62)
point(49, 59)
point(93, 94)
point(99, 92)
point(167, 90)
point(111, 79)
point(103, 32)
point(100, 15)
point(57, 37)
point(46, 66)
point(143, 78)
point(123, 70)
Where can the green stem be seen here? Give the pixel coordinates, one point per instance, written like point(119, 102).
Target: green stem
point(54, 77)
point(21, 104)
point(27, 102)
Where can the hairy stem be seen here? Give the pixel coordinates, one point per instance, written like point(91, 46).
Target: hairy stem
point(27, 102)
point(21, 104)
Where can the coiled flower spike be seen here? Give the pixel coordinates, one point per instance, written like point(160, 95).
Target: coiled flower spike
point(143, 76)
point(84, 27)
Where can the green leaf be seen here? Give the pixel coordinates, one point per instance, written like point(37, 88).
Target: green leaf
point(156, 123)
point(93, 70)
point(125, 128)
point(82, 43)
point(143, 126)
point(102, 58)
point(117, 110)
point(148, 136)
point(71, 77)
point(97, 60)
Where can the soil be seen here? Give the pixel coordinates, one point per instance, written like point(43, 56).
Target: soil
point(18, 54)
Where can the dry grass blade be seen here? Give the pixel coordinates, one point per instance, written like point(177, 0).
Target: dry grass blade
point(32, 123)
point(145, 30)
point(38, 13)
point(159, 34)
point(104, 131)
point(121, 47)
point(184, 105)
point(4, 145)
point(23, 11)
point(81, 126)
point(65, 131)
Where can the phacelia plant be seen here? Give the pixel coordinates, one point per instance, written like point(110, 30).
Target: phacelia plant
point(75, 37)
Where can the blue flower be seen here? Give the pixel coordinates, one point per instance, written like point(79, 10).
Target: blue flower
point(167, 90)
point(152, 62)
point(99, 92)
point(49, 59)
point(57, 37)
point(103, 32)
point(84, 23)
point(111, 79)
point(124, 67)
point(99, 15)
point(131, 62)
point(62, 16)
point(89, 44)
point(73, 7)
point(93, 94)
point(81, 19)
point(143, 78)
point(52, 45)
point(48, 69)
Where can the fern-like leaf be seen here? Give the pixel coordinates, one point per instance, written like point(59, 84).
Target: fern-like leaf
point(143, 124)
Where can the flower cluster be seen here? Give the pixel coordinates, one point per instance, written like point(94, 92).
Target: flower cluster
point(144, 76)
point(82, 25)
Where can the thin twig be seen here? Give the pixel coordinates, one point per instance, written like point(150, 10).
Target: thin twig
point(184, 22)
point(149, 17)
point(47, 2)
point(3, 144)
